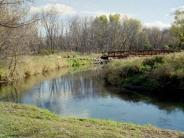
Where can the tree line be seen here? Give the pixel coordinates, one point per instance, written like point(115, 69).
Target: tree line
point(103, 34)
point(46, 33)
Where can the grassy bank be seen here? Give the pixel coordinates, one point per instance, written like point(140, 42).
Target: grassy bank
point(26, 121)
point(10, 92)
point(162, 73)
point(33, 65)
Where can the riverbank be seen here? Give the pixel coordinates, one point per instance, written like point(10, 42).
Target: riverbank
point(27, 66)
point(27, 121)
point(154, 75)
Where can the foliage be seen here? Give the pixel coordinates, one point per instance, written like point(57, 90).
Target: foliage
point(102, 19)
point(151, 73)
point(74, 63)
point(178, 27)
point(153, 62)
point(114, 18)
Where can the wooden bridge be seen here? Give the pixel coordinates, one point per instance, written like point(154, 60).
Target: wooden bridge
point(125, 54)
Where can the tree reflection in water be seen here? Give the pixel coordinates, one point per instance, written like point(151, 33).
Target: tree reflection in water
point(78, 86)
point(84, 94)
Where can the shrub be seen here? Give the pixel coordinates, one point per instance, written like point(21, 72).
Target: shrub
point(155, 73)
point(153, 62)
point(129, 70)
point(74, 63)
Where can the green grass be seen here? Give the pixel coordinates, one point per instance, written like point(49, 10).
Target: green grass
point(77, 62)
point(151, 73)
point(27, 121)
point(33, 65)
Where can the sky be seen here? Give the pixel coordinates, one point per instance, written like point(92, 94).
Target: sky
point(157, 13)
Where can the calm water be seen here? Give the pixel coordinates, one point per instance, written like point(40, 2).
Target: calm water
point(84, 95)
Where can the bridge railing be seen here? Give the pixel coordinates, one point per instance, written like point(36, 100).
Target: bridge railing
point(123, 54)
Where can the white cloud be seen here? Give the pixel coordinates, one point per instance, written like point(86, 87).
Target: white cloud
point(180, 8)
point(60, 9)
point(158, 24)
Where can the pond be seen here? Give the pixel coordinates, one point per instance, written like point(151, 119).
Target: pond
point(84, 95)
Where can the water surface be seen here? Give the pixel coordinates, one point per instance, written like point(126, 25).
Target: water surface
point(84, 95)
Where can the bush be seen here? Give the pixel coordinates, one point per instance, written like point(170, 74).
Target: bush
point(74, 63)
point(129, 71)
point(157, 73)
point(153, 62)
point(143, 81)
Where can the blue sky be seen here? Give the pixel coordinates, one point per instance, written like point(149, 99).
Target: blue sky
point(148, 11)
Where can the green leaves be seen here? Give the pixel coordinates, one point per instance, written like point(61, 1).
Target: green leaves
point(178, 28)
